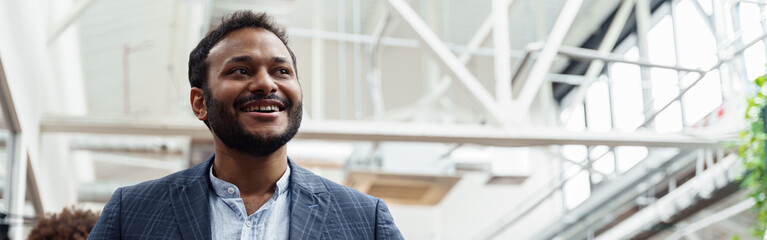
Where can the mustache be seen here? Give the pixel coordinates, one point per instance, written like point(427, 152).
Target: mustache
point(242, 100)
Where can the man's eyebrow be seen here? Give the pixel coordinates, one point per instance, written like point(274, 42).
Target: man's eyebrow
point(279, 59)
point(243, 58)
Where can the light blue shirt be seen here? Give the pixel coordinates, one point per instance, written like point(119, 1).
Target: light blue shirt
point(229, 219)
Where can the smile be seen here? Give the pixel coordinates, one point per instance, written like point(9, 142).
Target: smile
point(264, 109)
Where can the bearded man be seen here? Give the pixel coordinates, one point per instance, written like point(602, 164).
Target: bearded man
point(246, 90)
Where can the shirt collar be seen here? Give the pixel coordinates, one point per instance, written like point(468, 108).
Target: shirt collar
point(282, 183)
point(226, 189)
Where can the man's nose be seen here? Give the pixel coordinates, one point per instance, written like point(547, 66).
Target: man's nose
point(262, 83)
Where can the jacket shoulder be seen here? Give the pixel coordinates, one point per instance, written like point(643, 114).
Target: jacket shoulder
point(343, 193)
point(157, 189)
point(354, 213)
point(315, 184)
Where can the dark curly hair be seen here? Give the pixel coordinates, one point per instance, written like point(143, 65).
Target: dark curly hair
point(71, 223)
point(235, 21)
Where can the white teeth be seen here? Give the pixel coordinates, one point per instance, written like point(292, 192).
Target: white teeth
point(262, 108)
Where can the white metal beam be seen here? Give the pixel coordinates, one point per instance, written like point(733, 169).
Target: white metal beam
point(357, 56)
point(724, 59)
point(501, 44)
point(10, 119)
point(68, 19)
point(343, 99)
point(33, 191)
point(589, 54)
point(144, 162)
point(707, 19)
point(388, 131)
point(448, 60)
point(374, 70)
point(676, 201)
point(471, 49)
point(466, 52)
point(733, 226)
point(677, 55)
point(643, 19)
point(719, 216)
point(17, 163)
point(583, 53)
point(318, 68)
point(606, 46)
point(543, 63)
point(597, 205)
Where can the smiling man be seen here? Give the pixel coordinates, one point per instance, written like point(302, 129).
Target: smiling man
point(246, 90)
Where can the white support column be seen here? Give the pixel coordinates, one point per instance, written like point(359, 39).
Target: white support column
point(643, 27)
point(65, 53)
point(357, 56)
point(482, 32)
point(731, 83)
point(16, 166)
point(500, 14)
point(546, 57)
point(189, 20)
point(448, 60)
point(17, 186)
point(318, 67)
point(54, 166)
point(27, 66)
point(606, 46)
point(342, 64)
point(374, 70)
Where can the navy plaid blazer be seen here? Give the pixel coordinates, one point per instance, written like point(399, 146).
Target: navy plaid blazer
point(176, 207)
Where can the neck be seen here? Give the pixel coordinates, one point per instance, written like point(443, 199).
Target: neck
point(252, 175)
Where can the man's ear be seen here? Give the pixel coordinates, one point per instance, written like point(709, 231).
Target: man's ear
point(197, 98)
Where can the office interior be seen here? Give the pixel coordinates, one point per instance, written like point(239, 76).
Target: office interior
point(489, 119)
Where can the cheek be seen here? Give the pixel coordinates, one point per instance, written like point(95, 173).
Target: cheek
point(227, 92)
point(296, 93)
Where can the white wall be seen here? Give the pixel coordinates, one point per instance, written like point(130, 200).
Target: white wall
point(27, 66)
point(472, 205)
point(417, 222)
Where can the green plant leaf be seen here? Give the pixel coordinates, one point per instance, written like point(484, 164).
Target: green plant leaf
point(760, 81)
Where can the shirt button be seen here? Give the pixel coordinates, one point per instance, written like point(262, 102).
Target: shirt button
point(248, 224)
point(230, 190)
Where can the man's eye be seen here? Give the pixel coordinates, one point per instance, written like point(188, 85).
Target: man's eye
point(283, 71)
point(240, 71)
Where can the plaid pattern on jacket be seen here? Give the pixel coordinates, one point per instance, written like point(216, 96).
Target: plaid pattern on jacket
point(176, 207)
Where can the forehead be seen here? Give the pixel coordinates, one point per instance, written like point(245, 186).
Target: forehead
point(254, 42)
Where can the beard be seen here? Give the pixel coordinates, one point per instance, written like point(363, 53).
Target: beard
point(233, 134)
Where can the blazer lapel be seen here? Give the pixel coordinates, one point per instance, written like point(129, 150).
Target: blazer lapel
point(310, 203)
point(189, 199)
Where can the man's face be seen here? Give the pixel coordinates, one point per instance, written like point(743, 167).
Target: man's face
point(253, 100)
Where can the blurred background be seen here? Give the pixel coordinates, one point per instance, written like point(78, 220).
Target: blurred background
point(490, 119)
